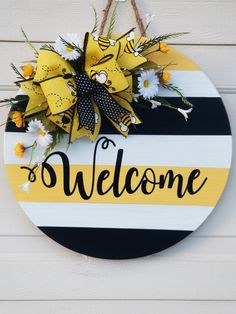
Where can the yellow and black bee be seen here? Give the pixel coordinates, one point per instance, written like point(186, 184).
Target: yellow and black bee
point(130, 45)
point(100, 77)
point(129, 48)
point(93, 75)
point(104, 42)
point(125, 119)
point(67, 117)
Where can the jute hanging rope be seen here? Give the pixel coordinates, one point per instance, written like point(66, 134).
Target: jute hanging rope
point(136, 12)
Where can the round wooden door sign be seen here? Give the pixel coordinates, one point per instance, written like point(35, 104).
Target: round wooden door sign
point(129, 197)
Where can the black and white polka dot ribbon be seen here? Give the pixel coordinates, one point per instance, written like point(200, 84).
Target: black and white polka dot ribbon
point(88, 91)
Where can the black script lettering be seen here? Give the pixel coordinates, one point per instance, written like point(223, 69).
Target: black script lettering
point(102, 177)
point(116, 181)
point(194, 175)
point(50, 171)
point(79, 181)
point(128, 180)
point(180, 191)
point(146, 182)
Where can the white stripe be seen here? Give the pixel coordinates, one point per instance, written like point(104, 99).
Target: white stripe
point(192, 84)
point(142, 150)
point(128, 216)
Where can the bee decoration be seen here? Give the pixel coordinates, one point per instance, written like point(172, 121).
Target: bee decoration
point(130, 46)
point(101, 78)
point(125, 121)
point(67, 117)
point(71, 87)
point(104, 42)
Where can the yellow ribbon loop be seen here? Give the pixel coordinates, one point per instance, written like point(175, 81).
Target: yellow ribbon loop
point(50, 75)
point(101, 63)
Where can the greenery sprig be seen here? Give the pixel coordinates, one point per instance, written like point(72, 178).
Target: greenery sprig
point(177, 90)
point(95, 27)
point(14, 102)
point(112, 22)
point(14, 68)
point(147, 44)
point(57, 136)
point(71, 45)
point(29, 43)
point(48, 47)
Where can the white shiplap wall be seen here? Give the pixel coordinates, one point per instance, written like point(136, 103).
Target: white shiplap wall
point(197, 275)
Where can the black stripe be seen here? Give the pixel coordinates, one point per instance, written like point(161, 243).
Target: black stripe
point(104, 40)
point(114, 243)
point(208, 117)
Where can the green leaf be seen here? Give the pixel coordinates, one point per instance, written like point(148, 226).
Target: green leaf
point(177, 90)
point(153, 41)
point(16, 102)
point(27, 41)
point(48, 47)
point(71, 45)
point(57, 136)
point(14, 68)
point(95, 28)
point(112, 22)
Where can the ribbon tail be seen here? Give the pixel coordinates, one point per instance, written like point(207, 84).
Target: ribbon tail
point(119, 116)
point(73, 126)
point(86, 114)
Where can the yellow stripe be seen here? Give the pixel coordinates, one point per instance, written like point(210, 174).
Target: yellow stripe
point(207, 196)
point(104, 45)
point(129, 49)
point(104, 39)
point(104, 42)
point(126, 120)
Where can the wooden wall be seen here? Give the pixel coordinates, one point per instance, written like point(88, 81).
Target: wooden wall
point(197, 275)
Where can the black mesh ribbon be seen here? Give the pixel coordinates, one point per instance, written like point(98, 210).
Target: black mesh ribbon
point(87, 89)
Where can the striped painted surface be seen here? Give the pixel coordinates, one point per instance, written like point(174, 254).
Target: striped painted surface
point(136, 225)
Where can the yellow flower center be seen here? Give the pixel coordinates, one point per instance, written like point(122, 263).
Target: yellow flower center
point(69, 49)
point(41, 132)
point(146, 83)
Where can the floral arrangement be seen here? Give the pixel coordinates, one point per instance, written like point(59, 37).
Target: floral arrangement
point(67, 86)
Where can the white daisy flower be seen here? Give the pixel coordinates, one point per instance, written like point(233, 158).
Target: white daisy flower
point(37, 130)
point(185, 112)
point(148, 84)
point(68, 52)
point(25, 186)
point(149, 17)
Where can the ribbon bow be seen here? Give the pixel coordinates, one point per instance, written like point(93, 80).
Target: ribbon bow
point(89, 90)
point(72, 99)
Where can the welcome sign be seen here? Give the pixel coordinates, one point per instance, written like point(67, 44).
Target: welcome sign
point(128, 197)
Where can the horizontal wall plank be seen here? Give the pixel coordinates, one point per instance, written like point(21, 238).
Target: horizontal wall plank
point(117, 307)
point(56, 17)
point(144, 278)
point(218, 62)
